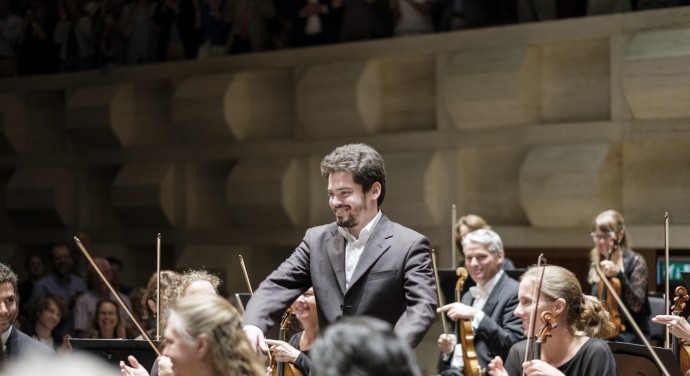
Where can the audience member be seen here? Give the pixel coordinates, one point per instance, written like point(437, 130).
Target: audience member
point(10, 27)
point(366, 19)
point(62, 284)
point(37, 51)
point(412, 17)
point(250, 20)
point(36, 270)
point(45, 314)
point(73, 34)
point(107, 322)
point(362, 346)
point(116, 267)
point(213, 29)
point(17, 344)
point(85, 307)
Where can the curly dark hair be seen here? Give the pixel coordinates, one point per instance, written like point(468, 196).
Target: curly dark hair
point(7, 275)
point(362, 161)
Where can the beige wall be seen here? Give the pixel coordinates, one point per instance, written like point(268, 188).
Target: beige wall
point(536, 127)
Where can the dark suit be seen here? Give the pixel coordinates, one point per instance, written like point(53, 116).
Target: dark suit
point(19, 344)
point(500, 328)
point(393, 278)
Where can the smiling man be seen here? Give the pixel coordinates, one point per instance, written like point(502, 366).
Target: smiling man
point(488, 306)
point(361, 264)
point(15, 343)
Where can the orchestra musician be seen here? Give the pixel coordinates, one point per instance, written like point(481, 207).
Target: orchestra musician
point(489, 305)
point(205, 339)
point(361, 264)
point(296, 351)
point(628, 266)
point(468, 223)
point(575, 347)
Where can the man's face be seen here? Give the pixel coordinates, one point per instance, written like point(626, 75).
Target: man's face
point(482, 264)
point(8, 306)
point(62, 260)
point(353, 208)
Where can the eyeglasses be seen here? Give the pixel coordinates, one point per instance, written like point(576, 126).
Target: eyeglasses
point(606, 236)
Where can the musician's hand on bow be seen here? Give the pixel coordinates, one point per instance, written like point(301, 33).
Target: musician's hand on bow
point(283, 351)
point(540, 368)
point(677, 325)
point(135, 370)
point(256, 338)
point(610, 268)
point(496, 367)
point(165, 366)
point(447, 342)
point(458, 311)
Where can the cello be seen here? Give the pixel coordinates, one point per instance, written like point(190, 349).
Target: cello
point(466, 334)
point(607, 300)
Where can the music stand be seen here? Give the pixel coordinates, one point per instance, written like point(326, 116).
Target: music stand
point(116, 350)
point(636, 360)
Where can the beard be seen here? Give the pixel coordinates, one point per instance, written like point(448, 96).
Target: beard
point(352, 219)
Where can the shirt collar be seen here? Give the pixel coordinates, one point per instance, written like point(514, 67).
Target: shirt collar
point(5, 336)
point(489, 285)
point(364, 234)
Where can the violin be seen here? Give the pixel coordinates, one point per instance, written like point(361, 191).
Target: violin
point(608, 300)
point(282, 368)
point(680, 350)
point(549, 320)
point(466, 334)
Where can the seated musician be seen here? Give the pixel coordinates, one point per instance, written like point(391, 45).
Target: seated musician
point(489, 306)
point(574, 347)
point(297, 350)
point(629, 267)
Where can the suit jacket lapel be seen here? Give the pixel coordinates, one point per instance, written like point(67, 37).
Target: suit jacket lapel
point(335, 248)
point(493, 297)
point(376, 246)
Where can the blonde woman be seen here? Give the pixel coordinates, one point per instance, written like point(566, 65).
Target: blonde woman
point(575, 347)
point(205, 338)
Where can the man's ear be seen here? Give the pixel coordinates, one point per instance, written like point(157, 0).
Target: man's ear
point(375, 190)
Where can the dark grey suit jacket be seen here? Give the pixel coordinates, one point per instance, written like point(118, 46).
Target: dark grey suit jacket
point(500, 328)
point(19, 344)
point(393, 281)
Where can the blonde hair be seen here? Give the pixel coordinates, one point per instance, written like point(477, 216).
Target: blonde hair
point(609, 221)
point(584, 313)
point(214, 317)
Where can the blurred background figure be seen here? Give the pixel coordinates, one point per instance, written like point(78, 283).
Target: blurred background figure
point(148, 302)
point(77, 364)
point(35, 268)
point(107, 322)
point(45, 313)
point(363, 346)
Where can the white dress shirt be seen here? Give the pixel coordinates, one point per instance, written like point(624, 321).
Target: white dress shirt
point(355, 246)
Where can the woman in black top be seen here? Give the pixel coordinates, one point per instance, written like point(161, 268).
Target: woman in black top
point(575, 347)
point(296, 351)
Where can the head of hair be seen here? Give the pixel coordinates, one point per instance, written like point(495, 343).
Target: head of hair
point(488, 238)
point(8, 276)
point(119, 328)
point(37, 305)
point(583, 313)
point(167, 280)
point(362, 161)
point(219, 322)
point(176, 291)
point(611, 221)
point(473, 222)
point(362, 346)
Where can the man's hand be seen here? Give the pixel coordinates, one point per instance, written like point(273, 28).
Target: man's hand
point(256, 338)
point(458, 311)
point(446, 343)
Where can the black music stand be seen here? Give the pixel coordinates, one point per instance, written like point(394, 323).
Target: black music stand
point(636, 360)
point(116, 350)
